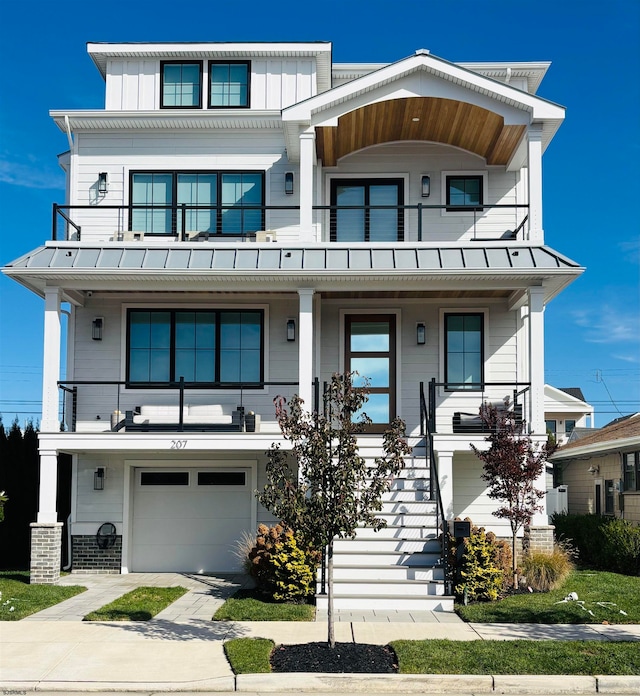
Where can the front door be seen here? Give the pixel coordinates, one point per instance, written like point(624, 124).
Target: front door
point(370, 350)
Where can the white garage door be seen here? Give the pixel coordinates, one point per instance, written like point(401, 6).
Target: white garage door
point(189, 519)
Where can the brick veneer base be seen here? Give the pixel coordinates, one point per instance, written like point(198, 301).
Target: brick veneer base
point(538, 539)
point(87, 557)
point(46, 549)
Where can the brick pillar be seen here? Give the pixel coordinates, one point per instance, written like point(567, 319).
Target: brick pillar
point(46, 550)
point(538, 539)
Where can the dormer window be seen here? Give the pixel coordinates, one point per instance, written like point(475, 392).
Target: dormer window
point(228, 84)
point(181, 86)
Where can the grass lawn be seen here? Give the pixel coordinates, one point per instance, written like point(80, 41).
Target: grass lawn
point(249, 655)
point(19, 598)
point(516, 657)
point(245, 606)
point(141, 604)
point(592, 587)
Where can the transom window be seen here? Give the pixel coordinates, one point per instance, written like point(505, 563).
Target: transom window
point(166, 203)
point(228, 84)
point(463, 350)
point(464, 192)
point(181, 85)
point(632, 471)
point(205, 347)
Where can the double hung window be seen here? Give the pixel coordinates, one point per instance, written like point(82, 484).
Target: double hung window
point(205, 347)
point(228, 84)
point(181, 86)
point(463, 350)
point(168, 203)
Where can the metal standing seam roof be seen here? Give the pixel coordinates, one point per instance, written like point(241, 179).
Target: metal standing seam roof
point(269, 259)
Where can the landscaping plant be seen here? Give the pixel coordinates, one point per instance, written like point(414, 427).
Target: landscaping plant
point(332, 491)
point(477, 573)
point(547, 571)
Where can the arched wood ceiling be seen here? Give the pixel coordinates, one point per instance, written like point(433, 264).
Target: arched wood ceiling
point(445, 121)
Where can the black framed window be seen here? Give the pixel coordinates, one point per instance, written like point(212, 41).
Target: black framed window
point(229, 84)
point(352, 218)
point(464, 192)
point(569, 425)
point(222, 478)
point(632, 471)
point(211, 202)
point(205, 347)
point(181, 85)
point(550, 426)
point(164, 478)
point(464, 350)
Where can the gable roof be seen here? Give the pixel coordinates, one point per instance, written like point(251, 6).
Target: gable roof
point(575, 392)
point(624, 434)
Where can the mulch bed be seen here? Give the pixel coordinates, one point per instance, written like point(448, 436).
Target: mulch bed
point(345, 657)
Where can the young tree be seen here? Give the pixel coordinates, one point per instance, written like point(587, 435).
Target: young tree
point(333, 491)
point(511, 467)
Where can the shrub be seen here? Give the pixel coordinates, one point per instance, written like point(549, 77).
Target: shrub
point(547, 571)
point(477, 573)
point(622, 544)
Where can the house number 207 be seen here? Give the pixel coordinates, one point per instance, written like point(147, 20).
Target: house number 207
point(178, 444)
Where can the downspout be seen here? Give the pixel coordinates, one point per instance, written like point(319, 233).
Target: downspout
point(69, 136)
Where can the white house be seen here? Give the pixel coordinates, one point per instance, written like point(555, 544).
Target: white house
point(566, 409)
point(245, 219)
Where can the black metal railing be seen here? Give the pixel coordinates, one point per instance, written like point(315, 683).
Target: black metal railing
point(233, 222)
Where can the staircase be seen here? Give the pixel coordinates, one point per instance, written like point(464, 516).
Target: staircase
point(399, 567)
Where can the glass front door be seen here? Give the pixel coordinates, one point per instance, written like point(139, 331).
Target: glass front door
point(370, 351)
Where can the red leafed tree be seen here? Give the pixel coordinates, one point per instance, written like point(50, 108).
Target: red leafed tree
point(511, 466)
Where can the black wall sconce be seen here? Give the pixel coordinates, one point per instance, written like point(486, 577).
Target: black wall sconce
point(288, 183)
point(426, 186)
point(421, 334)
point(102, 183)
point(96, 328)
point(291, 330)
point(98, 479)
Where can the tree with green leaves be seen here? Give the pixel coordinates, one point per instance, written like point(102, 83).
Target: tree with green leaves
point(511, 466)
point(333, 491)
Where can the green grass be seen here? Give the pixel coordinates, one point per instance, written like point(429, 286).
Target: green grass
point(249, 655)
point(244, 606)
point(19, 598)
point(140, 604)
point(591, 587)
point(516, 657)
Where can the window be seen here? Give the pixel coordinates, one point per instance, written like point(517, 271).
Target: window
point(632, 471)
point(228, 84)
point(164, 478)
point(569, 425)
point(166, 203)
point(181, 85)
point(608, 497)
point(463, 350)
point(206, 347)
point(361, 223)
point(550, 426)
point(464, 192)
point(222, 478)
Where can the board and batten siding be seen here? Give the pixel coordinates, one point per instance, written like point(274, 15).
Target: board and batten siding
point(134, 85)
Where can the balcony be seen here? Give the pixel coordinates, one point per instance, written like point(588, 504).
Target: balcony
point(331, 223)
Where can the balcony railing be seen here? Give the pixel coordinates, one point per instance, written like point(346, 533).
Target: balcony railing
point(372, 223)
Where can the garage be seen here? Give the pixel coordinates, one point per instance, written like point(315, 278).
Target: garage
point(189, 519)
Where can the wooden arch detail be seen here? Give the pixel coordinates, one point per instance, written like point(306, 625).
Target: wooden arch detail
point(444, 121)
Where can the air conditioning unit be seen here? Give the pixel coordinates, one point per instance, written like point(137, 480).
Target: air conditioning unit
point(266, 236)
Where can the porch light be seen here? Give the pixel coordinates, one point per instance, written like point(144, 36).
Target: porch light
point(98, 479)
point(593, 470)
point(102, 183)
point(291, 330)
point(288, 183)
point(96, 328)
point(421, 334)
point(426, 186)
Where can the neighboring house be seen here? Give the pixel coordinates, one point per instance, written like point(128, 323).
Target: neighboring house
point(566, 409)
point(242, 221)
point(602, 470)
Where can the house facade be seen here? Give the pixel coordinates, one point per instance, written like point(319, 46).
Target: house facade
point(565, 410)
point(242, 221)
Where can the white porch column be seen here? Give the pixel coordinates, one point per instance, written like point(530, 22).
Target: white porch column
point(47, 511)
point(307, 165)
point(536, 358)
point(51, 363)
point(445, 478)
point(305, 346)
point(534, 152)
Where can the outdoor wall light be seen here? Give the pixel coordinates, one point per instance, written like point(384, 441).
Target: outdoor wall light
point(291, 330)
point(98, 479)
point(593, 470)
point(102, 183)
point(421, 334)
point(96, 328)
point(288, 183)
point(426, 186)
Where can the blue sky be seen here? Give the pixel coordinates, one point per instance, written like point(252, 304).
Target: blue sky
point(590, 169)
